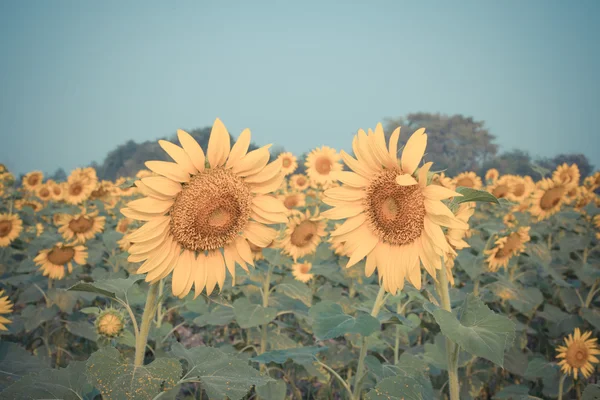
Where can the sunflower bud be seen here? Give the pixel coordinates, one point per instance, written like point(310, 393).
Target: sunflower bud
point(110, 323)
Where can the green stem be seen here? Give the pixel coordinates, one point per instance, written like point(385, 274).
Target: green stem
point(561, 385)
point(142, 338)
point(451, 347)
point(399, 310)
point(339, 378)
point(159, 314)
point(379, 302)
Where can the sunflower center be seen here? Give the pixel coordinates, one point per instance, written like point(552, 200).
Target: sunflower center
point(577, 355)
point(75, 189)
point(551, 198)
point(33, 180)
point(286, 162)
point(5, 228)
point(303, 233)
point(57, 190)
point(395, 213)
point(323, 165)
point(110, 324)
point(44, 192)
point(211, 210)
point(511, 245)
point(466, 182)
point(81, 224)
point(290, 202)
point(61, 255)
point(301, 181)
point(519, 189)
point(304, 268)
point(500, 191)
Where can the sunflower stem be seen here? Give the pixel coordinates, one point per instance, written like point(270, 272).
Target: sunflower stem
point(379, 302)
point(142, 338)
point(561, 385)
point(451, 347)
point(159, 314)
point(264, 327)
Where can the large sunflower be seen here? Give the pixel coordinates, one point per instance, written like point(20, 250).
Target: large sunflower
point(507, 247)
point(578, 354)
point(289, 163)
point(5, 308)
point(321, 162)
point(81, 227)
point(53, 261)
point(10, 228)
point(299, 182)
point(547, 199)
point(567, 175)
point(392, 218)
point(32, 180)
point(198, 216)
point(303, 234)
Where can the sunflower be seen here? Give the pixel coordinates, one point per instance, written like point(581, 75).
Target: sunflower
point(303, 234)
point(578, 354)
point(79, 185)
point(143, 173)
point(335, 245)
point(53, 261)
point(455, 236)
point(5, 308)
point(110, 323)
point(468, 179)
point(509, 220)
point(301, 272)
point(10, 228)
point(293, 200)
point(547, 199)
point(491, 175)
point(123, 225)
point(81, 227)
point(56, 190)
point(520, 188)
point(507, 247)
point(58, 218)
point(441, 179)
point(583, 198)
point(257, 251)
point(289, 163)
point(2, 168)
point(32, 180)
point(35, 205)
point(43, 192)
point(567, 175)
point(212, 211)
point(391, 218)
point(103, 190)
point(321, 162)
point(592, 182)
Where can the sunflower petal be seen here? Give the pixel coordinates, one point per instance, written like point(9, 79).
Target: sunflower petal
point(193, 149)
point(169, 170)
point(239, 149)
point(179, 156)
point(219, 145)
point(413, 151)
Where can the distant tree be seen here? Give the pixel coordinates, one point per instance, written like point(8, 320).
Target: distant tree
point(514, 162)
point(455, 143)
point(59, 175)
point(585, 167)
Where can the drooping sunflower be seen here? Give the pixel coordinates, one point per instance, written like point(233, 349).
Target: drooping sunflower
point(292, 200)
point(32, 180)
point(507, 247)
point(81, 227)
point(6, 307)
point(547, 199)
point(491, 175)
point(578, 354)
point(392, 218)
point(501, 188)
point(303, 234)
point(200, 218)
point(53, 261)
point(567, 175)
point(299, 182)
point(35, 205)
point(10, 228)
point(302, 272)
point(79, 185)
point(321, 162)
point(289, 163)
point(103, 190)
point(468, 179)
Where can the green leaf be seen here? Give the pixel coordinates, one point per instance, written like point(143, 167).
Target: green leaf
point(218, 316)
point(112, 288)
point(398, 388)
point(528, 300)
point(538, 367)
point(63, 299)
point(220, 374)
point(295, 290)
point(469, 194)
point(35, 316)
point(592, 316)
point(90, 310)
point(117, 379)
point(275, 390)
point(478, 331)
point(249, 315)
point(470, 263)
point(298, 355)
point(17, 362)
point(513, 392)
point(83, 329)
point(591, 392)
point(65, 383)
point(330, 321)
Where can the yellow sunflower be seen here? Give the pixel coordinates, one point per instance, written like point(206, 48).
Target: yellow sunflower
point(592, 182)
point(110, 323)
point(6, 307)
point(35, 205)
point(491, 175)
point(321, 162)
point(257, 251)
point(299, 182)
point(509, 220)
point(32, 180)
point(79, 185)
point(10, 228)
point(293, 200)
point(123, 225)
point(53, 261)
point(520, 188)
point(468, 179)
point(56, 190)
point(81, 227)
point(303, 234)
point(455, 236)
point(392, 218)
point(302, 272)
point(441, 179)
point(144, 173)
point(289, 163)
point(507, 247)
point(567, 175)
point(336, 245)
point(583, 198)
point(199, 217)
point(547, 199)
point(578, 354)
point(103, 190)
point(43, 192)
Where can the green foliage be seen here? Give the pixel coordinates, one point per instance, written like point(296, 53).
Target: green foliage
point(112, 288)
point(299, 355)
point(330, 321)
point(249, 315)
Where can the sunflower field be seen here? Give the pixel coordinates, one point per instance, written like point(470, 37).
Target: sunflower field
point(225, 274)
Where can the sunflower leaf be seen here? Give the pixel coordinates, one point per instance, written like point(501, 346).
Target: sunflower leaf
point(249, 315)
point(330, 321)
point(591, 392)
point(113, 288)
point(299, 355)
point(398, 388)
point(295, 290)
point(470, 194)
point(479, 330)
point(116, 378)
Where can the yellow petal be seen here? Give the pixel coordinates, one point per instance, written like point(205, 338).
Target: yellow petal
point(193, 149)
point(149, 192)
point(181, 274)
point(269, 203)
point(179, 156)
point(269, 217)
point(406, 180)
point(266, 174)
point(350, 178)
point(150, 205)
point(200, 274)
point(423, 171)
point(346, 194)
point(252, 162)
point(162, 185)
point(259, 234)
point(343, 212)
point(169, 170)
point(436, 192)
point(140, 216)
point(355, 166)
point(413, 151)
point(243, 249)
point(394, 145)
point(239, 149)
point(367, 244)
point(219, 145)
point(150, 229)
point(268, 186)
point(350, 224)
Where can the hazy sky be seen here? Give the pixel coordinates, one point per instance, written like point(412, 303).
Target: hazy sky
point(78, 78)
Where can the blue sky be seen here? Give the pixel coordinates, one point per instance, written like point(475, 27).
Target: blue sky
point(78, 78)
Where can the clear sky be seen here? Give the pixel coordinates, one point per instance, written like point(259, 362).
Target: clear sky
point(78, 78)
